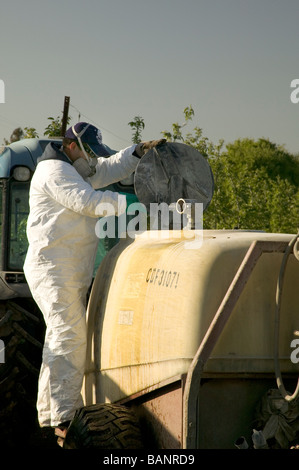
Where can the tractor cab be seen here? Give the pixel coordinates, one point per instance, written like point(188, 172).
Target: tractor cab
point(17, 165)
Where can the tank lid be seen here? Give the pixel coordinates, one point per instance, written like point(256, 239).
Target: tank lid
point(172, 171)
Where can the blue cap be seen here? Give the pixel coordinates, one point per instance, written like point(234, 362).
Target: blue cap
point(90, 135)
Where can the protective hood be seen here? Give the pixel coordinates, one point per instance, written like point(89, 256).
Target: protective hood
point(53, 152)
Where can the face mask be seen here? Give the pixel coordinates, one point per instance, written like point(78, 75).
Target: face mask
point(86, 154)
point(84, 168)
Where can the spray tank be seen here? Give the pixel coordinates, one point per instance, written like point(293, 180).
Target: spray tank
point(184, 335)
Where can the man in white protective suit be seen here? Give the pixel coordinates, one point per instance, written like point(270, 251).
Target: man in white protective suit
point(64, 209)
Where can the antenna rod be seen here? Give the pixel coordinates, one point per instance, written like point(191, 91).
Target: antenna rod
point(65, 115)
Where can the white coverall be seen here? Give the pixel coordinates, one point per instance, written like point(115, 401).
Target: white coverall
point(59, 265)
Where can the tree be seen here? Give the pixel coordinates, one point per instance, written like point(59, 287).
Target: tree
point(137, 125)
point(54, 128)
point(195, 138)
point(30, 133)
point(16, 135)
point(256, 181)
point(262, 178)
point(176, 133)
point(262, 153)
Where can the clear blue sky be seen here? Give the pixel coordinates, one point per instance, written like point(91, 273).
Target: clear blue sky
point(232, 60)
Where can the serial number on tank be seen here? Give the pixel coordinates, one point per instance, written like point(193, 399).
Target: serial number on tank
point(162, 277)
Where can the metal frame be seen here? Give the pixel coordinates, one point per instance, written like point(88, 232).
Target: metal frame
point(193, 379)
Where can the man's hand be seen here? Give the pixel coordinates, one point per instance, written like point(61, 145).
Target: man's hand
point(144, 147)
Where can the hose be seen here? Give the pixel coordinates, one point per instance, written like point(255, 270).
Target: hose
point(292, 245)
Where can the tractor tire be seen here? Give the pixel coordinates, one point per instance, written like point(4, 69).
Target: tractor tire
point(104, 426)
point(22, 334)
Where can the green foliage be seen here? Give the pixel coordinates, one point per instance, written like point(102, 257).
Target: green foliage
point(260, 182)
point(137, 125)
point(264, 154)
point(195, 138)
point(256, 182)
point(54, 128)
point(30, 133)
point(177, 128)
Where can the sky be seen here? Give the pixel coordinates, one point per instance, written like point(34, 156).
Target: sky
point(233, 61)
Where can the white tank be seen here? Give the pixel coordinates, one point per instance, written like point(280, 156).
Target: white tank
point(153, 300)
